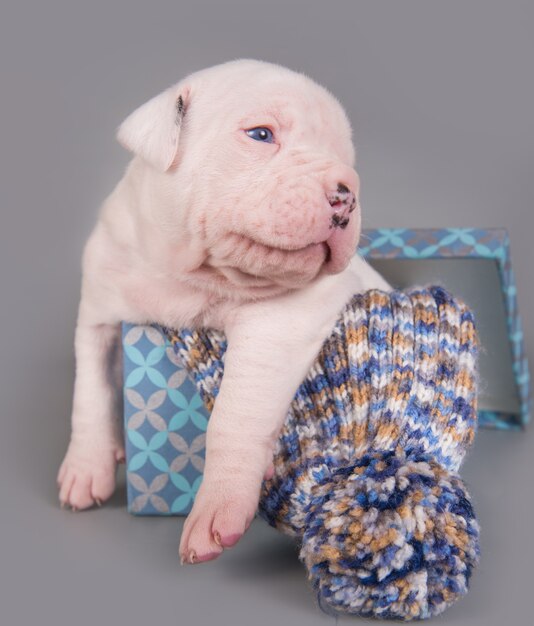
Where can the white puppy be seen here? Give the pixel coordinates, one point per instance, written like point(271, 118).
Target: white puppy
point(238, 211)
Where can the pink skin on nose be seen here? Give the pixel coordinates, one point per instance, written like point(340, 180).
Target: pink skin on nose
point(344, 226)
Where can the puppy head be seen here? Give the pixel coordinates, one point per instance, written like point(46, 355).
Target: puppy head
point(249, 168)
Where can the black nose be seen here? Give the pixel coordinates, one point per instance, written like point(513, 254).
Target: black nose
point(343, 201)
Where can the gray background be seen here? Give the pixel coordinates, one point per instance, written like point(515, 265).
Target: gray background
point(441, 97)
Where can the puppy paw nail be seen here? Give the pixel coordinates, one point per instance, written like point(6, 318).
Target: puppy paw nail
point(98, 501)
point(217, 538)
point(192, 557)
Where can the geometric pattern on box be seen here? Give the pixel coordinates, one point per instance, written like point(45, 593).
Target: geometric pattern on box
point(165, 426)
point(481, 243)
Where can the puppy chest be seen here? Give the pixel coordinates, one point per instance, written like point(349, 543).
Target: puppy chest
point(170, 303)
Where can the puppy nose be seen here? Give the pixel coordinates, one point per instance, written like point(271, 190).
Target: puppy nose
point(343, 201)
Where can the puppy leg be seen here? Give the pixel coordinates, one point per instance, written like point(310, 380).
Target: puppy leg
point(248, 413)
point(87, 474)
point(271, 346)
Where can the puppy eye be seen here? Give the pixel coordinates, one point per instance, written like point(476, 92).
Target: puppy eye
point(261, 133)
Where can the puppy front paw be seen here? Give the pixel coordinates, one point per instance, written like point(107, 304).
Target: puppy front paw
point(220, 516)
point(87, 474)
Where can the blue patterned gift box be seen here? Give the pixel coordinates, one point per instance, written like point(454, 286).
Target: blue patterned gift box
point(165, 420)
point(165, 426)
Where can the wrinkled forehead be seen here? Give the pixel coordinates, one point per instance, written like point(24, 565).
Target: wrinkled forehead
point(290, 105)
point(286, 99)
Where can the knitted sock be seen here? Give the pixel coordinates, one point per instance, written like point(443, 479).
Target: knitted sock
point(366, 463)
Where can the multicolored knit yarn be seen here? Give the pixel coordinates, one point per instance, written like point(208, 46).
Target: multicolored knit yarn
point(366, 463)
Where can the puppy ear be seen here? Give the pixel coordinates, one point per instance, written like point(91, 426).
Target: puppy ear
point(152, 131)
